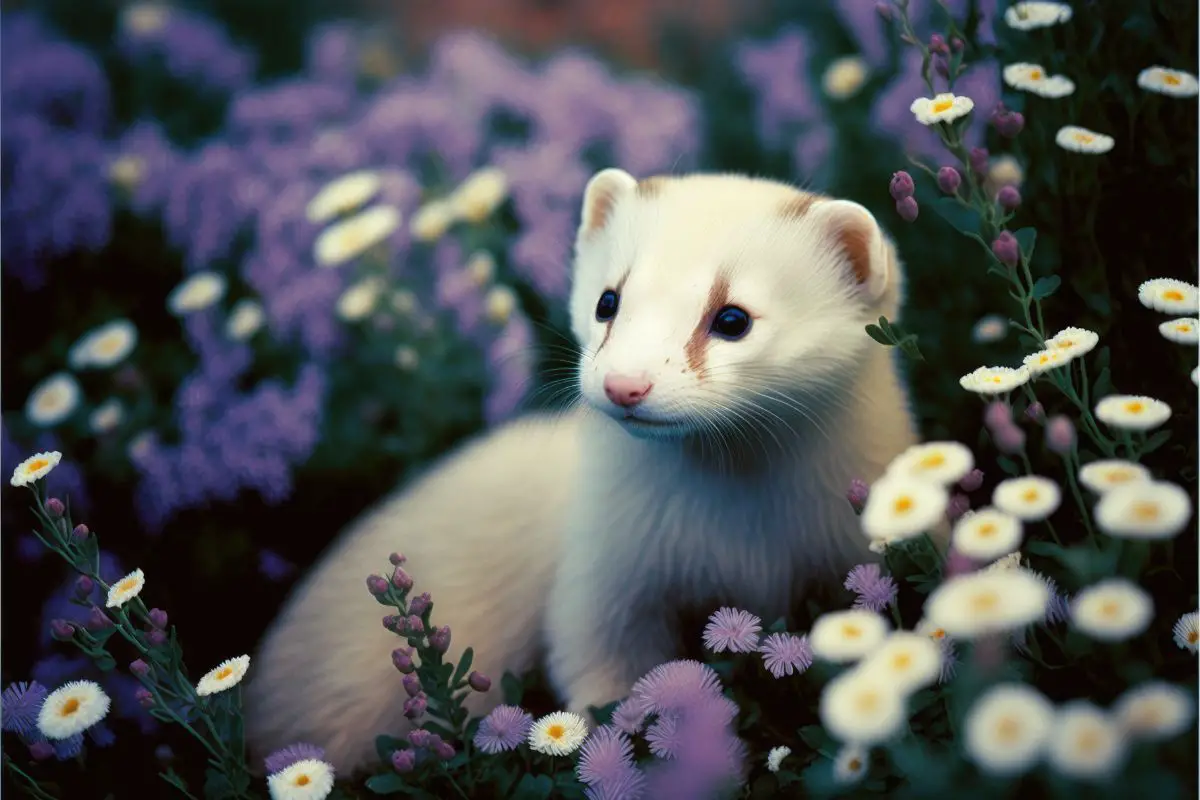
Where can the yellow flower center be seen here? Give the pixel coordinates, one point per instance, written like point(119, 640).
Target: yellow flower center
point(127, 585)
point(901, 661)
point(1193, 637)
point(984, 602)
point(854, 764)
point(1145, 717)
point(1110, 609)
point(987, 529)
point(69, 707)
point(997, 379)
point(1171, 80)
point(866, 702)
point(903, 504)
point(1066, 344)
point(1030, 495)
point(851, 631)
point(556, 731)
point(942, 105)
point(224, 672)
point(1173, 294)
point(1183, 327)
point(303, 780)
point(1035, 75)
point(938, 633)
point(1146, 511)
point(1135, 406)
point(1090, 741)
point(38, 463)
point(1118, 476)
point(1085, 138)
point(1008, 730)
point(51, 399)
point(933, 460)
point(108, 345)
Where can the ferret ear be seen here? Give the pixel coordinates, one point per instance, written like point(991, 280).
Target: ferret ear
point(854, 231)
point(601, 195)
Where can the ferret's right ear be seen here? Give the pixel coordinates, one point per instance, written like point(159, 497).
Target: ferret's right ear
point(866, 251)
point(601, 195)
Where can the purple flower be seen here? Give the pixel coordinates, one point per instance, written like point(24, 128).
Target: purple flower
point(732, 629)
point(901, 186)
point(101, 735)
point(948, 180)
point(629, 784)
point(665, 735)
point(511, 361)
point(675, 685)
point(420, 604)
point(503, 729)
point(971, 481)
point(629, 716)
point(778, 72)
point(68, 748)
point(1060, 434)
point(875, 591)
point(1009, 439)
point(21, 704)
point(863, 22)
point(41, 750)
point(908, 209)
point(997, 415)
point(1058, 608)
point(606, 754)
point(959, 505)
point(50, 79)
point(857, 494)
point(285, 757)
point(1009, 198)
point(439, 639)
point(415, 706)
point(190, 47)
point(479, 682)
point(273, 566)
point(785, 654)
point(404, 761)
point(333, 53)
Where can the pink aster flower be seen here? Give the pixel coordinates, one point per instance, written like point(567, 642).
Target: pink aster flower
point(674, 685)
point(875, 591)
point(503, 729)
point(785, 654)
point(732, 629)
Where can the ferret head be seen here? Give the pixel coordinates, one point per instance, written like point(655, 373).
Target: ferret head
point(718, 303)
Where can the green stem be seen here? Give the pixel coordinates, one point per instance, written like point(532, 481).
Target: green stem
point(31, 785)
point(1071, 461)
point(453, 783)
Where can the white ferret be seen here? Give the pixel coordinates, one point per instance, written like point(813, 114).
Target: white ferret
point(730, 395)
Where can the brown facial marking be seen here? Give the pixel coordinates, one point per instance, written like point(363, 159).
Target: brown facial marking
point(697, 346)
point(651, 187)
point(798, 206)
point(608, 325)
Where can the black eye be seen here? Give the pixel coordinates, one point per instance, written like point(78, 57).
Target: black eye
point(607, 306)
point(731, 323)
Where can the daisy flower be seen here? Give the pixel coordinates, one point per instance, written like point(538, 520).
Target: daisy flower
point(71, 709)
point(776, 756)
point(907, 660)
point(899, 508)
point(785, 654)
point(1045, 360)
point(244, 320)
point(358, 301)
point(1009, 561)
point(504, 728)
point(1031, 498)
point(945, 107)
point(105, 346)
point(53, 400)
point(125, 589)
point(850, 765)
point(21, 704)
point(432, 220)
point(1185, 330)
point(862, 708)
point(1173, 82)
point(991, 328)
point(1082, 140)
point(481, 267)
point(939, 462)
point(559, 733)
point(844, 77)
point(310, 779)
point(1112, 610)
point(1030, 15)
point(1196, 375)
point(199, 291)
point(1170, 296)
point(1008, 728)
point(732, 629)
point(343, 195)
point(499, 304)
point(987, 534)
point(1132, 412)
point(1086, 743)
point(106, 416)
point(480, 194)
point(1154, 710)
point(1034, 79)
point(34, 468)
point(979, 603)
point(994, 380)
point(285, 757)
point(1144, 510)
point(841, 636)
point(1187, 631)
point(1073, 342)
point(1108, 474)
point(349, 238)
point(874, 591)
point(227, 674)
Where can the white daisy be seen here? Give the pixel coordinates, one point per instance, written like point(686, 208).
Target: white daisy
point(358, 301)
point(1132, 412)
point(987, 534)
point(1034, 78)
point(432, 220)
point(34, 468)
point(53, 400)
point(1185, 330)
point(481, 267)
point(349, 238)
point(307, 779)
point(979, 603)
point(71, 709)
point(991, 328)
point(227, 674)
point(106, 416)
point(125, 589)
point(1086, 743)
point(1082, 140)
point(1187, 631)
point(899, 508)
point(1010, 561)
point(842, 636)
point(945, 107)
point(1004, 171)
point(1196, 375)
point(558, 734)
point(105, 346)
point(1170, 296)
point(1007, 729)
point(127, 170)
point(850, 764)
point(145, 18)
point(994, 380)
point(908, 660)
point(1112, 610)
point(938, 462)
point(844, 77)
point(499, 304)
point(198, 291)
point(1174, 82)
point(1030, 15)
point(1108, 474)
point(483, 191)
point(1073, 342)
point(775, 757)
point(1031, 498)
point(1045, 360)
point(343, 195)
point(1144, 510)
point(1154, 710)
point(244, 320)
point(862, 708)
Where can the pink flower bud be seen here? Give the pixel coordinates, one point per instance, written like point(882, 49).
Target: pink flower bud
point(404, 761)
point(440, 639)
point(479, 682)
point(158, 618)
point(1034, 412)
point(156, 638)
point(413, 625)
point(402, 659)
point(948, 180)
point(907, 209)
point(941, 66)
point(857, 494)
point(444, 751)
point(997, 415)
point(401, 579)
point(80, 533)
point(959, 504)
point(978, 159)
point(1009, 198)
point(84, 586)
point(971, 481)
point(884, 10)
point(420, 604)
point(144, 698)
point(902, 185)
point(937, 44)
point(957, 564)
point(1006, 249)
point(422, 738)
point(1009, 439)
point(139, 668)
point(62, 630)
point(55, 507)
point(1060, 435)
point(958, 44)
point(415, 706)
point(397, 559)
point(98, 620)
point(41, 751)
point(377, 586)
point(412, 684)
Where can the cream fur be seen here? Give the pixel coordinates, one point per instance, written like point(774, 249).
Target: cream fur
point(580, 533)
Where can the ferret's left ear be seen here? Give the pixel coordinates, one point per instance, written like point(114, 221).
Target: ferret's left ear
point(856, 234)
point(601, 194)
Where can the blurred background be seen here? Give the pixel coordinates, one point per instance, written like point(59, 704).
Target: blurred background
point(263, 259)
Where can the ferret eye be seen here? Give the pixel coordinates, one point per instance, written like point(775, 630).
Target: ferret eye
point(606, 307)
point(731, 323)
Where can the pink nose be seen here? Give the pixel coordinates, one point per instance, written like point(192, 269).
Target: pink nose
point(626, 390)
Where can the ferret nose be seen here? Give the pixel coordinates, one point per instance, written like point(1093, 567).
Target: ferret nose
point(627, 390)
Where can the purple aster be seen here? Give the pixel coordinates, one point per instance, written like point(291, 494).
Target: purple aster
point(333, 53)
point(811, 153)
point(503, 729)
point(51, 79)
point(606, 753)
point(665, 734)
point(629, 716)
point(675, 685)
point(541, 252)
point(191, 47)
point(285, 757)
point(785, 654)
point(144, 164)
point(289, 110)
point(732, 629)
point(875, 591)
point(778, 72)
point(273, 566)
point(1058, 608)
point(29, 548)
point(101, 735)
point(20, 705)
point(628, 784)
point(68, 748)
point(949, 660)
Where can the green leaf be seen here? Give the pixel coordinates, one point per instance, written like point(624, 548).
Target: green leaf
point(876, 333)
point(1102, 358)
point(386, 745)
point(105, 662)
point(815, 737)
point(217, 785)
point(464, 664)
point(1048, 549)
point(1103, 385)
point(909, 345)
point(1008, 465)
point(964, 220)
point(387, 783)
point(1156, 441)
point(602, 714)
point(512, 688)
point(887, 328)
point(1027, 239)
point(1044, 287)
point(533, 787)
